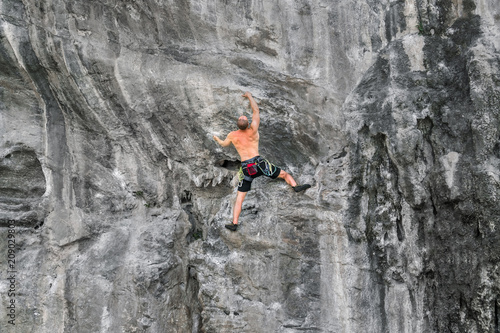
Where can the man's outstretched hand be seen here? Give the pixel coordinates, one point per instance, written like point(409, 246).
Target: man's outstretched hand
point(224, 143)
point(247, 95)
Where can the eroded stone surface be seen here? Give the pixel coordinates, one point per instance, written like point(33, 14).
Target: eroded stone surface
point(119, 194)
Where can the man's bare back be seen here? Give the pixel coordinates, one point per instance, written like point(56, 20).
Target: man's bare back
point(246, 140)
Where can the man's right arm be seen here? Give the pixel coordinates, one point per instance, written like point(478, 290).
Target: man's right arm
point(255, 109)
point(224, 143)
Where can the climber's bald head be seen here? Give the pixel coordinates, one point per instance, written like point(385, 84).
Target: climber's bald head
point(242, 123)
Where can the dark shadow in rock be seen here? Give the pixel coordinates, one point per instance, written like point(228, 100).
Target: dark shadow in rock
point(227, 164)
point(22, 185)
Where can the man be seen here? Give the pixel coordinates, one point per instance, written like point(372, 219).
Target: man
point(246, 142)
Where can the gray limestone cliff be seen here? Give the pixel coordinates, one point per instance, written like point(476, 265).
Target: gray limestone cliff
point(113, 194)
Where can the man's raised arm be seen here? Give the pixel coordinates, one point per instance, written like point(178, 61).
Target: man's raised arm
point(255, 109)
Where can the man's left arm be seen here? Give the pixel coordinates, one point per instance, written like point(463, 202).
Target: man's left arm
point(224, 143)
point(255, 111)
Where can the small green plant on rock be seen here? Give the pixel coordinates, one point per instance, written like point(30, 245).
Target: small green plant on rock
point(138, 194)
point(420, 28)
point(197, 234)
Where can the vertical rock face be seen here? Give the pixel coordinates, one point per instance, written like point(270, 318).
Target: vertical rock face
point(425, 127)
point(118, 194)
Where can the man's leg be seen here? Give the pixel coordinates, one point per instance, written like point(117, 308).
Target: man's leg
point(288, 178)
point(237, 206)
point(236, 211)
point(290, 181)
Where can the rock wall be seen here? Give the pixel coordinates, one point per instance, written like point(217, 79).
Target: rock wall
point(116, 194)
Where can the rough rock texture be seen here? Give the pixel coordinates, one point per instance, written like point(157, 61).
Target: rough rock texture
point(118, 195)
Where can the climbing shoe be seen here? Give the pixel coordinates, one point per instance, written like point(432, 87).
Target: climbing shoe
point(231, 226)
point(299, 188)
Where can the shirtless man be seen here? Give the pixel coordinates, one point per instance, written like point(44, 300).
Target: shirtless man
point(246, 142)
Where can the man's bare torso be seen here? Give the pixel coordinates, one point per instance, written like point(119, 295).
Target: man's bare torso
point(246, 142)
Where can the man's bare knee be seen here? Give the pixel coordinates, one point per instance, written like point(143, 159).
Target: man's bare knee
point(287, 177)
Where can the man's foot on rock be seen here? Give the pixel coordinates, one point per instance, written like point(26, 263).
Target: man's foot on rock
point(231, 226)
point(299, 188)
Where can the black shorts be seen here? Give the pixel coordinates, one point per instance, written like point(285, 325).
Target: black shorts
point(253, 168)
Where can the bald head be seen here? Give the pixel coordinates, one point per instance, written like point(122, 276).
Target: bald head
point(242, 123)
